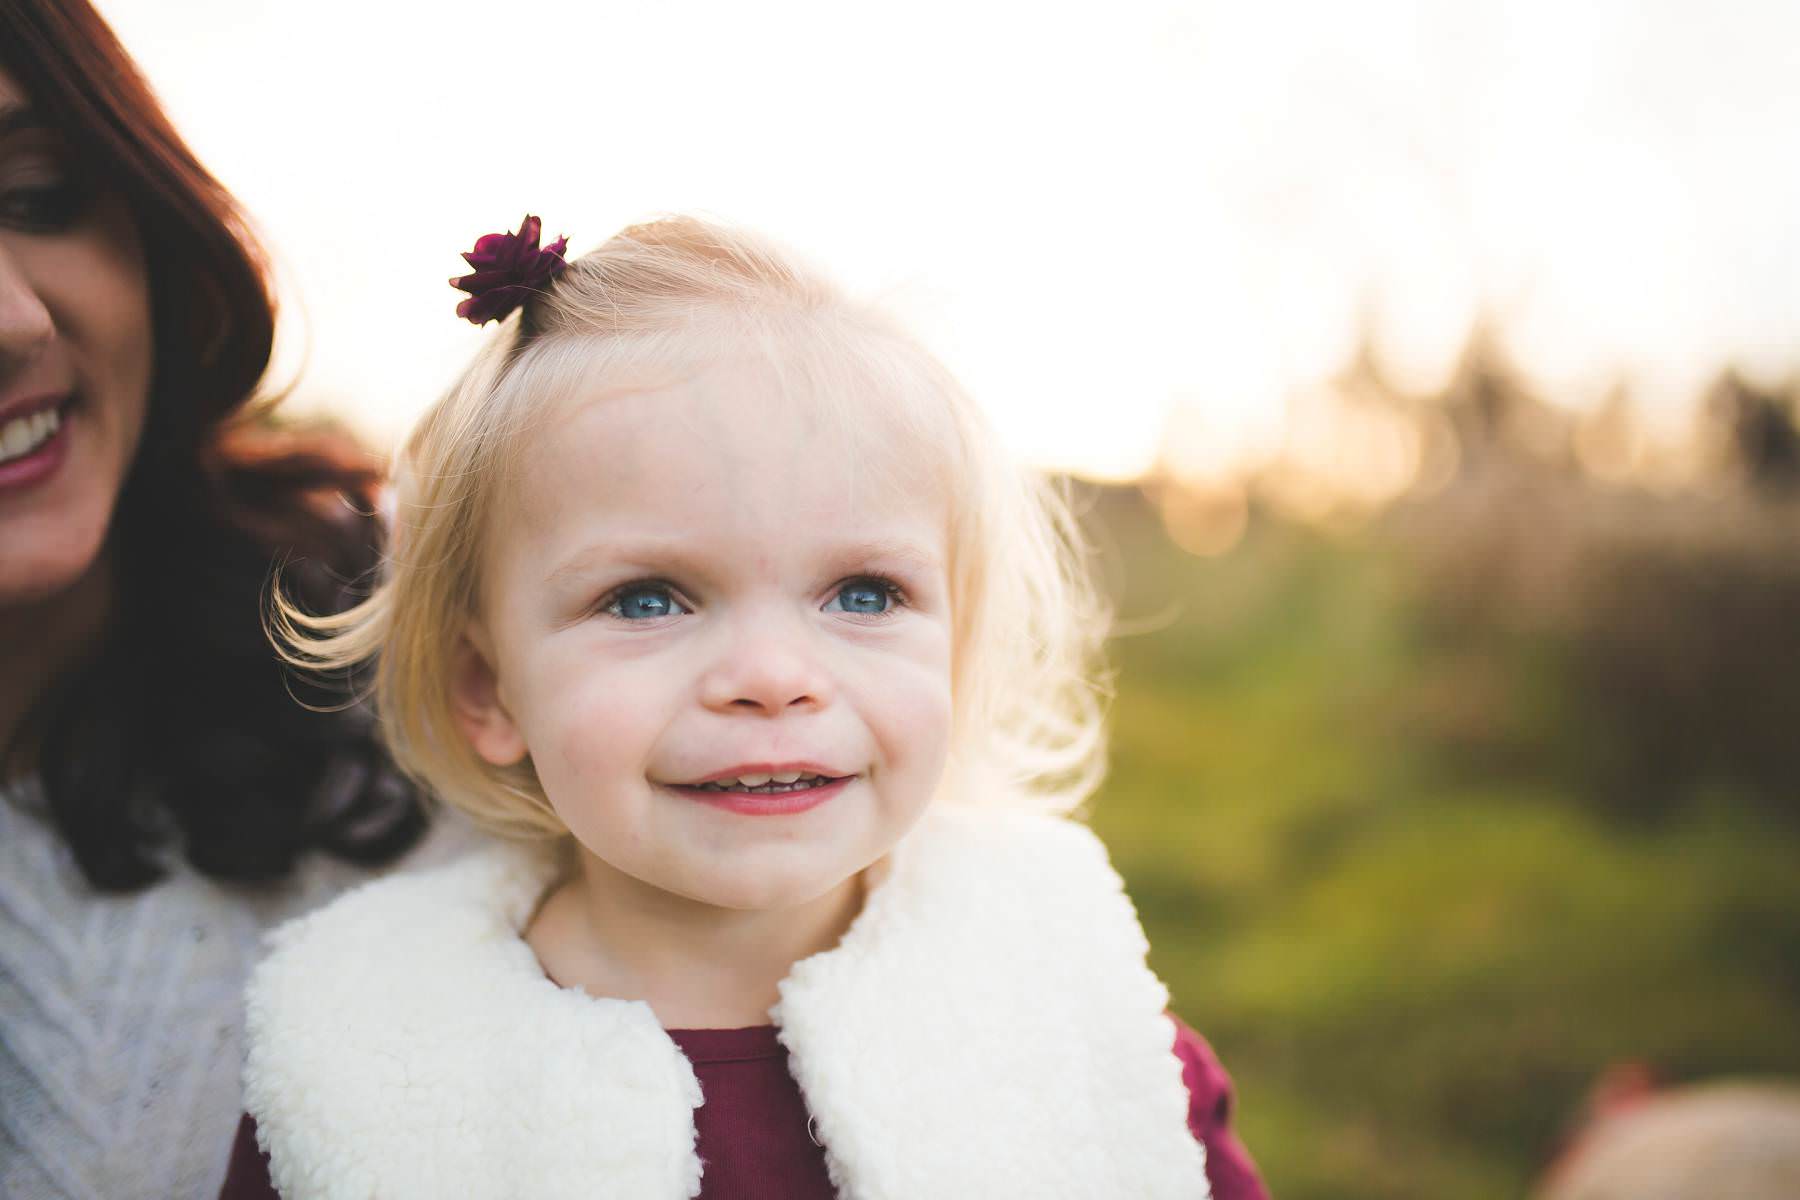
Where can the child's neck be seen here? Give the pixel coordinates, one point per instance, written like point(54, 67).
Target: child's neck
point(697, 966)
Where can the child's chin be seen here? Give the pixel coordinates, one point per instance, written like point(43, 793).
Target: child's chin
point(766, 893)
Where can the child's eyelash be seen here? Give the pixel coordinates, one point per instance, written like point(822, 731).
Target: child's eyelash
point(891, 589)
point(610, 602)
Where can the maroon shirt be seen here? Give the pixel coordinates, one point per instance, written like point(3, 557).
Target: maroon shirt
point(755, 1140)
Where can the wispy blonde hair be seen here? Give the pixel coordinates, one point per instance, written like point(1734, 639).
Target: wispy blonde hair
point(658, 298)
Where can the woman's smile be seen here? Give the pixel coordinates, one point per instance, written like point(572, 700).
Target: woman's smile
point(76, 356)
point(34, 441)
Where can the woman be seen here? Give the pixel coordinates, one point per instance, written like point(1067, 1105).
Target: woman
point(161, 788)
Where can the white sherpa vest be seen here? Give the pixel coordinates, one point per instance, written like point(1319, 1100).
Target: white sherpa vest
point(987, 1028)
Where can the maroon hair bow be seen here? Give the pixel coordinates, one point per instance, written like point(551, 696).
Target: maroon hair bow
point(509, 270)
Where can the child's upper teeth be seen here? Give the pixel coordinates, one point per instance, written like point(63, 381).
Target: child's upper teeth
point(786, 777)
point(754, 780)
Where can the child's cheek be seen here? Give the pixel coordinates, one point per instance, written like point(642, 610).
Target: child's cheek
point(906, 700)
point(604, 721)
point(920, 731)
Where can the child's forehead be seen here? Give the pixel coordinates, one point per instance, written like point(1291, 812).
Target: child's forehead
point(739, 445)
point(749, 414)
point(700, 408)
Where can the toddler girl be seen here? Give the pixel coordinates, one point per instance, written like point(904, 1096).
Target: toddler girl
point(712, 595)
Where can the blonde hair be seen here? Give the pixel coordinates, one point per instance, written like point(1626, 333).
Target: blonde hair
point(1027, 620)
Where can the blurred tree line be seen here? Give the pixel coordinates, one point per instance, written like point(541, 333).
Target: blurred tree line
point(1437, 814)
point(1671, 609)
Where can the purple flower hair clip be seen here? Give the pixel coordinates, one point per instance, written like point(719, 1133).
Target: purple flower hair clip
point(509, 270)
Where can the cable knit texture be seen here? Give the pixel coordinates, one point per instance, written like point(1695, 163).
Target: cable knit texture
point(122, 1027)
point(405, 1043)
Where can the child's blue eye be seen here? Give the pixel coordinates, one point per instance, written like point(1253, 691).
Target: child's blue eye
point(872, 596)
point(642, 601)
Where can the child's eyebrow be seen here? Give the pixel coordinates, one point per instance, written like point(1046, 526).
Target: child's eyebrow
point(900, 553)
point(597, 554)
point(904, 553)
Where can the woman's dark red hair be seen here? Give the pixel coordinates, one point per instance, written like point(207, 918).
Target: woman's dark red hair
point(180, 730)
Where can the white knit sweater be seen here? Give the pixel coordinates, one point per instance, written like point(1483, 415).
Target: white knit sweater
point(121, 1016)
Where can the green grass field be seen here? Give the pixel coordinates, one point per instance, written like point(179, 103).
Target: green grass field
point(1370, 878)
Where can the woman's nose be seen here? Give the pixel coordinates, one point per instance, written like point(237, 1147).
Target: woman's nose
point(25, 325)
point(766, 674)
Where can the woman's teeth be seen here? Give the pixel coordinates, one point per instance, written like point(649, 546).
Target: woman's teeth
point(786, 782)
point(22, 435)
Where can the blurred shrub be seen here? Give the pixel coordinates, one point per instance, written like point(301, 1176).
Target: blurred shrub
point(1432, 818)
point(1664, 624)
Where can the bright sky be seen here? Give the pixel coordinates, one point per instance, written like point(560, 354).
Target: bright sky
point(1099, 221)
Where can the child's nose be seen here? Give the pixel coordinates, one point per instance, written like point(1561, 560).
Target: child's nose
point(766, 674)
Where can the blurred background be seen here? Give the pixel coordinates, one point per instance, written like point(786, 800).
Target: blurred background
point(1429, 374)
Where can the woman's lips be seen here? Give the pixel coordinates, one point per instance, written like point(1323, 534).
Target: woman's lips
point(42, 462)
point(765, 804)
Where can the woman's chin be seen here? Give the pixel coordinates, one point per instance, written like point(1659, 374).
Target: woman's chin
point(45, 555)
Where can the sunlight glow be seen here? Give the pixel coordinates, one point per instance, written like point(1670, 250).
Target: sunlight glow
point(1181, 216)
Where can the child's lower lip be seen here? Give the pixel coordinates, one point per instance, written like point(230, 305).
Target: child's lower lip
point(770, 804)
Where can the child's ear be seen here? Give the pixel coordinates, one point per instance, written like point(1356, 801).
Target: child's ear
point(475, 699)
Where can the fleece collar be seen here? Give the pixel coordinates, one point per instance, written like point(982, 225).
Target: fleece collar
point(986, 1028)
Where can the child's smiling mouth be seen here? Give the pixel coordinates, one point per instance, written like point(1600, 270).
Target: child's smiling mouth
point(766, 785)
point(767, 789)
